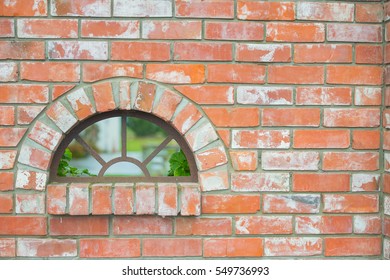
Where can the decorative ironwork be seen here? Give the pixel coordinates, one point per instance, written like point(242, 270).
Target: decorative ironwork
point(172, 134)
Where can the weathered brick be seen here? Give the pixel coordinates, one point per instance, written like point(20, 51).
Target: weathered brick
point(352, 246)
point(367, 96)
point(314, 139)
point(56, 199)
point(99, 71)
point(172, 247)
point(264, 10)
point(311, 182)
point(293, 246)
point(6, 203)
point(214, 180)
point(291, 117)
point(10, 136)
point(324, 96)
point(350, 161)
point(104, 100)
point(141, 51)
point(87, 8)
point(350, 203)
point(167, 199)
point(128, 225)
point(202, 51)
point(145, 97)
point(351, 32)
point(295, 32)
point(176, 73)
point(8, 71)
point(208, 94)
point(354, 75)
point(46, 28)
point(236, 73)
point(88, 225)
point(23, 8)
point(323, 53)
point(325, 11)
point(364, 224)
point(26, 114)
point(101, 199)
point(323, 224)
point(244, 160)
point(290, 160)
point(19, 225)
point(59, 90)
point(45, 135)
point(201, 136)
point(295, 203)
point(145, 199)
point(233, 247)
point(370, 12)
point(7, 159)
point(50, 71)
point(203, 226)
point(8, 247)
point(260, 95)
point(110, 248)
point(22, 50)
point(61, 116)
point(123, 199)
point(263, 52)
point(205, 8)
point(255, 182)
point(13, 93)
point(262, 139)
point(34, 157)
point(81, 104)
point(365, 182)
point(295, 74)
point(186, 118)
point(142, 8)
point(7, 28)
point(351, 117)
point(46, 248)
point(233, 117)
point(366, 139)
point(79, 199)
point(238, 31)
point(167, 105)
point(84, 50)
point(211, 158)
point(190, 200)
point(230, 204)
point(128, 29)
point(264, 225)
point(171, 30)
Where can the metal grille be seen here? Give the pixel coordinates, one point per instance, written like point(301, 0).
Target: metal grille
point(172, 134)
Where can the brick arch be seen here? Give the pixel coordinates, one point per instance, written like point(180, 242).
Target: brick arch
point(44, 136)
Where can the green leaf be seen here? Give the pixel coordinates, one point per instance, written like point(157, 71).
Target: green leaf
point(179, 165)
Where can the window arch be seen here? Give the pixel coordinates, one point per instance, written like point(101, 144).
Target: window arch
point(171, 134)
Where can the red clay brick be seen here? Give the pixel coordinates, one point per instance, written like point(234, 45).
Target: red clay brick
point(238, 31)
point(22, 50)
point(230, 204)
point(23, 8)
point(323, 53)
point(44, 248)
point(295, 32)
point(89, 225)
point(203, 51)
point(110, 248)
point(18, 225)
point(128, 29)
point(203, 226)
point(141, 51)
point(208, 94)
point(293, 246)
point(176, 73)
point(171, 30)
point(352, 246)
point(264, 225)
point(205, 9)
point(324, 96)
point(311, 182)
point(314, 139)
point(263, 10)
point(233, 117)
point(296, 203)
point(46, 28)
point(233, 247)
point(350, 203)
point(351, 32)
point(255, 182)
point(236, 73)
point(88, 8)
point(295, 74)
point(169, 247)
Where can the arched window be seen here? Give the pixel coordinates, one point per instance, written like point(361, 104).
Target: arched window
point(112, 152)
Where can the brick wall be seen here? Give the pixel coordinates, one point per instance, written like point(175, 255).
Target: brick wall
point(283, 106)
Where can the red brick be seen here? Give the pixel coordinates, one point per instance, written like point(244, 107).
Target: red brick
point(176, 73)
point(291, 117)
point(233, 117)
point(365, 182)
point(26, 114)
point(325, 11)
point(255, 182)
point(263, 10)
point(18, 225)
point(244, 160)
point(260, 95)
point(238, 31)
point(79, 199)
point(6, 203)
point(8, 247)
point(323, 96)
point(205, 8)
point(141, 51)
point(233, 247)
point(351, 161)
point(263, 52)
point(167, 105)
point(236, 73)
point(386, 140)
point(7, 181)
point(89, 225)
point(61, 116)
point(8, 71)
point(101, 199)
point(23, 8)
point(203, 51)
point(169, 247)
point(214, 180)
point(200, 137)
point(369, 12)
point(43, 248)
point(50, 71)
point(264, 225)
point(34, 157)
point(296, 203)
point(208, 94)
point(7, 28)
point(99, 71)
point(110, 248)
point(369, 54)
point(73, 50)
point(203, 226)
point(229, 204)
point(145, 197)
point(123, 199)
point(186, 118)
point(7, 115)
point(367, 224)
point(290, 160)
point(10, 137)
point(312, 139)
point(22, 50)
point(323, 224)
point(387, 52)
point(323, 53)
point(295, 32)
point(46, 28)
point(104, 99)
point(367, 96)
point(352, 246)
point(7, 159)
point(56, 199)
point(264, 139)
point(366, 140)
point(351, 117)
point(224, 135)
point(293, 246)
point(59, 90)
point(128, 225)
point(386, 227)
point(355, 75)
point(351, 32)
point(167, 199)
point(45, 135)
point(211, 158)
point(30, 180)
point(81, 104)
point(325, 182)
point(295, 74)
point(171, 30)
point(125, 95)
point(350, 203)
point(142, 8)
point(89, 8)
point(190, 200)
point(128, 29)
point(145, 97)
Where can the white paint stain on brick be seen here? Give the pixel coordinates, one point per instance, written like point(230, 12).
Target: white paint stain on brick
point(78, 98)
point(325, 11)
point(262, 95)
point(100, 8)
point(211, 181)
point(10, 3)
point(90, 50)
point(362, 224)
point(7, 159)
point(62, 117)
point(30, 203)
point(359, 180)
point(171, 77)
point(293, 246)
point(386, 206)
point(290, 160)
point(269, 50)
point(308, 225)
point(26, 179)
point(189, 196)
point(363, 93)
point(264, 182)
point(46, 136)
point(344, 32)
point(334, 203)
point(8, 71)
point(31, 247)
point(143, 8)
point(386, 249)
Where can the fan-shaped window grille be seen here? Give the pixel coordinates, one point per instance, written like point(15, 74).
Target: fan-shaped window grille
point(124, 146)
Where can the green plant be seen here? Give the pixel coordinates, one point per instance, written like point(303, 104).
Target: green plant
point(64, 168)
point(178, 165)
